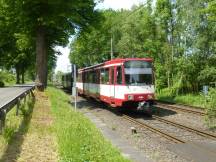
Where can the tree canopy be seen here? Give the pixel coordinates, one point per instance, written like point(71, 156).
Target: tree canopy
point(178, 35)
point(34, 28)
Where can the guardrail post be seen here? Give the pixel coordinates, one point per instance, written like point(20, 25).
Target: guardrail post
point(25, 97)
point(32, 94)
point(18, 106)
point(2, 120)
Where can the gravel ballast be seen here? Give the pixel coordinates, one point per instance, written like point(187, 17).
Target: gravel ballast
point(152, 145)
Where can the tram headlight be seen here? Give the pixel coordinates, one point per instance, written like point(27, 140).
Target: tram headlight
point(130, 97)
point(150, 97)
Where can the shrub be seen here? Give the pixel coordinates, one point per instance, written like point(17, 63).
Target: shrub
point(211, 108)
point(7, 78)
point(2, 84)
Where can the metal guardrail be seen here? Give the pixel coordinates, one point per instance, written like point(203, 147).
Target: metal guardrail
point(11, 104)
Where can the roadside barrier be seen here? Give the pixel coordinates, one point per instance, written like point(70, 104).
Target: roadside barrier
point(12, 103)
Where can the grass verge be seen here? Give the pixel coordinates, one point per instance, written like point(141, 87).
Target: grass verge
point(188, 99)
point(16, 124)
point(78, 139)
point(206, 102)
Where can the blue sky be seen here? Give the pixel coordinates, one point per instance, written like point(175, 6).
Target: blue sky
point(63, 63)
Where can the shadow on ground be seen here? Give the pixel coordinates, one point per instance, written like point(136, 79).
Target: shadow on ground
point(164, 112)
point(88, 102)
point(93, 104)
point(13, 149)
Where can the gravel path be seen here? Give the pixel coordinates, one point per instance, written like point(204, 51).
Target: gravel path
point(188, 119)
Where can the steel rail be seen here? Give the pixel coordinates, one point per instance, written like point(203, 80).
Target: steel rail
point(155, 130)
point(172, 107)
point(201, 133)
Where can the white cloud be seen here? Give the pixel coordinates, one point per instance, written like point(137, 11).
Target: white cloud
point(63, 62)
point(119, 4)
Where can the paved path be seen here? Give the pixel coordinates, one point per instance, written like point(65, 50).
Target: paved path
point(127, 150)
point(196, 151)
point(9, 93)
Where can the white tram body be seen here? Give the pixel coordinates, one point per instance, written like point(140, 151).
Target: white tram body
point(119, 82)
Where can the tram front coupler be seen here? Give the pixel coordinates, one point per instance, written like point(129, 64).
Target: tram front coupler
point(145, 106)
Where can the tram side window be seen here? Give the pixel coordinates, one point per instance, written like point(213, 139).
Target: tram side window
point(94, 77)
point(87, 77)
point(90, 77)
point(119, 75)
point(105, 76)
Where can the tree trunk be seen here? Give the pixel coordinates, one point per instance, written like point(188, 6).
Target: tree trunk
point(41, 58)
point(17, 74)
point(23, 75)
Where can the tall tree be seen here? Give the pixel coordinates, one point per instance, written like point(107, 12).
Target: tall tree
point(165, 28)
point(50, 23)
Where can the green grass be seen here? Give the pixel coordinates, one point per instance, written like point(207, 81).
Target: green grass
point(191, 99)
point(207, 102)
point(78, 139)
point(187, 99)
point(13, 122)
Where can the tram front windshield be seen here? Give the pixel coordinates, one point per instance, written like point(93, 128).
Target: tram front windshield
point(138, 72)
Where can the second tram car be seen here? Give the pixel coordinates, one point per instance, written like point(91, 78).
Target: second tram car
point(122, 83)
point(67, 81)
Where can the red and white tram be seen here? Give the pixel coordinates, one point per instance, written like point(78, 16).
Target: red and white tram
point(126, 83)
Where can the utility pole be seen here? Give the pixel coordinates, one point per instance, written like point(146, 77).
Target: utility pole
point(74, 89)
point(111, 49)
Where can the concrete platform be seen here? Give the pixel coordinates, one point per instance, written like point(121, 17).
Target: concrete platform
point(126, 149)
point(196, 151)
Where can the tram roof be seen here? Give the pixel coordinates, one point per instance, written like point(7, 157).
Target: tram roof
point(116, 61)
point(121, 60)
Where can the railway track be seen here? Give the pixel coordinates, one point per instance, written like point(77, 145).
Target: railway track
point(201, 133)
point(155, 130)
point(182, 108)
point(167, 135)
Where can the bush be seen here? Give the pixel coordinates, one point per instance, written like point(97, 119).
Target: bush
point(211, 108)
point(2, 84)
point(7, 78)
point(165, 94)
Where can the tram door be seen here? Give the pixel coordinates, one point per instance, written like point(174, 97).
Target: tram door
point(112, 85)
